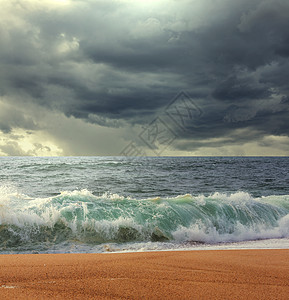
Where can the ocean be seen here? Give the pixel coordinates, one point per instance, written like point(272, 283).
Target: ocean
point(129, 204)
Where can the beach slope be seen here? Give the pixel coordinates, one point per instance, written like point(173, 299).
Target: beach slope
point(229, 274)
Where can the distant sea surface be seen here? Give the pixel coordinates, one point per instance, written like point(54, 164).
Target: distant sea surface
point(120, 204)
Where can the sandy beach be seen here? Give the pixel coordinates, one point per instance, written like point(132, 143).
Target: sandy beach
point(234, 274)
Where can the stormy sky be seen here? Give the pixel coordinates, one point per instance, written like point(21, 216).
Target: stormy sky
point(132, 77)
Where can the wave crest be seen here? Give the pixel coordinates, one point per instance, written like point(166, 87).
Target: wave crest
point(84, 217)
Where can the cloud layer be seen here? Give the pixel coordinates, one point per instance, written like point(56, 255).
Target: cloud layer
point(87, 77)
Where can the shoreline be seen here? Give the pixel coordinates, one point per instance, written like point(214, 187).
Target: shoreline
point(197, 274)
point(107, 248)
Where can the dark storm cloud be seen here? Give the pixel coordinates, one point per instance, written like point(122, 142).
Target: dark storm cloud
point(233, 89)
point(11, 117)
point(116, 63)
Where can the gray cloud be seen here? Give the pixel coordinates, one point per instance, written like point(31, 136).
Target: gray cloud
point(119, 63)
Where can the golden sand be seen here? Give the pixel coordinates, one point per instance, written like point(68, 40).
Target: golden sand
point(229, 274)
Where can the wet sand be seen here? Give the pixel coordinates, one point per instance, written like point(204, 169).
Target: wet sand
point(234, 274)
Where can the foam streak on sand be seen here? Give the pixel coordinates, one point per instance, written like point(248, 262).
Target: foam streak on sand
point(238, 274)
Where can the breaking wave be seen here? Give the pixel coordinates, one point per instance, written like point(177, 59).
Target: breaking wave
point(82, 217)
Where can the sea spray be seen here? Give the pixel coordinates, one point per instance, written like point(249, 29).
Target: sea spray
point(80, 217)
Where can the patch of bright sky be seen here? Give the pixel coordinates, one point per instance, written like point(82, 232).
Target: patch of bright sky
point(23, 142)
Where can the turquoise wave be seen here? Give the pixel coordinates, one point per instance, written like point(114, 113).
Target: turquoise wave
point(82, 217)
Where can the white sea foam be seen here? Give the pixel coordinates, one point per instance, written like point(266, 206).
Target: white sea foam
point(89, 222)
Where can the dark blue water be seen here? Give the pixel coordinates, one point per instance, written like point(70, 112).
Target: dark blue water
point(148, 176)
point(97, 204)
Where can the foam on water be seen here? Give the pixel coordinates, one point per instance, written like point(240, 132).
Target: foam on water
point(81, 220)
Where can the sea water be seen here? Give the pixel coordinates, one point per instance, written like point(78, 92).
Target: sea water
point(120, 204)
